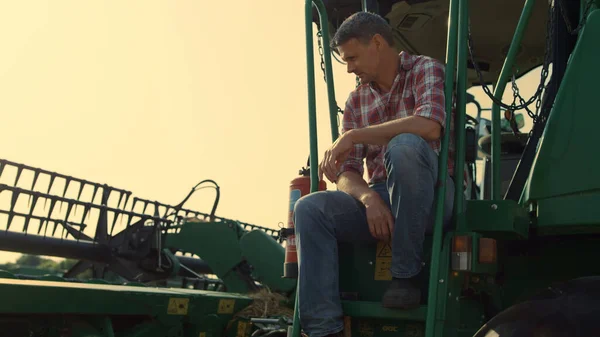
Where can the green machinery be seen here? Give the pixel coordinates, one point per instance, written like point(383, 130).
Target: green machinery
point(520, 259)
point(138, 271)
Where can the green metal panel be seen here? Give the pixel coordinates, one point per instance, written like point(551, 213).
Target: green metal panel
point(372, 327)
point(564, 181)
point(32, 297)
point(375, 310)
point(497, 218)
point(569, 214)
point(88, 309)
point(364, 270)
point(217, 243)
point(266, 257)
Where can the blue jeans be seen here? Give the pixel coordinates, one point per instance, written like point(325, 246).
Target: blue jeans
point(322, 219)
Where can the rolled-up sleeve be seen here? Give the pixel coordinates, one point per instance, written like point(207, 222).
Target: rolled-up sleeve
point(428, 90)
point(351, 120)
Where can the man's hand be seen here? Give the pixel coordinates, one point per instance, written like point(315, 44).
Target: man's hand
point(379, 217)
point(335, 156)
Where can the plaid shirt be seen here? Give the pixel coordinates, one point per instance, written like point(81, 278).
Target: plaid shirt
point(418, 90)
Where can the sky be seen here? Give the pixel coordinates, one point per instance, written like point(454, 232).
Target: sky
point(155, 96)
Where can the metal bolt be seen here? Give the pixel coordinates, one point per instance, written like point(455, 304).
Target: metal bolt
point(371, 262)
point(449, 294)
point(457, 299)
point(494, 207)
point(442, 280)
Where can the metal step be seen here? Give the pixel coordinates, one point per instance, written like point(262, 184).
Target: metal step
point(365, 309)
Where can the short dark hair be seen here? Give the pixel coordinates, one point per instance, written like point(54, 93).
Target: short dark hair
point(362, 26)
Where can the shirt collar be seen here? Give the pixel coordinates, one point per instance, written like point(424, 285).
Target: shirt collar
point(405, 63)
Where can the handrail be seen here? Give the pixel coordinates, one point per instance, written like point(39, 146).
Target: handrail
point(312, 110)
point(310, 68)
point(499, 92)
point(443, 169)
point(461, 111)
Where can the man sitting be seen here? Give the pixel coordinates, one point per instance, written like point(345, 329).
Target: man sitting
point(395, 119)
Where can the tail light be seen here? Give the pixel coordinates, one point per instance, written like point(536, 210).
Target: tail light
point(462, 248)
point(462, 252)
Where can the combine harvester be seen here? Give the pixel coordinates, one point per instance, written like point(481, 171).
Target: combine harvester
point(146, 246)
point(519, 259)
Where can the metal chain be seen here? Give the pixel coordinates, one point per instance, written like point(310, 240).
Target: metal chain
point(321, 52)
point(544, 73)
point(582, 20)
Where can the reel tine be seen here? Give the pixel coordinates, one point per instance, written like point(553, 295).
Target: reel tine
point(69, 208)
point(52, 178)
point(18, 176)
point(135, 200)
point(36, 175)
point(28, 218)
point(40, 225)
point(94, 195)
point(13, 201)
point(114, 222)
point(127, 195)
point(54, 228)
point(86, 209)
point(67, 183)
point(81, 186)
point(2, 166)
point(52, 204)
point(120, 199)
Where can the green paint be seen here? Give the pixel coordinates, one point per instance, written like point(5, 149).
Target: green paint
point(310, 69)
point(500, 219)
point(505, 74)
point(111, 310)
point(222, 255)
point(461, 110)
point(266, 256)
point(564, 184)
point(451, 60)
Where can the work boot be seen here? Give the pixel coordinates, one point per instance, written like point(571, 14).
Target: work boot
point(402, 294)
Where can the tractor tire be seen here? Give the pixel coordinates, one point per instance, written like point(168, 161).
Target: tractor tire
point(570, 309)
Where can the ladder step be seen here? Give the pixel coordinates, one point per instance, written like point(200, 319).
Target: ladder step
point(376, 310)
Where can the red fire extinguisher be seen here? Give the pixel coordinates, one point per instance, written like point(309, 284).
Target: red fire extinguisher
point(299, 187)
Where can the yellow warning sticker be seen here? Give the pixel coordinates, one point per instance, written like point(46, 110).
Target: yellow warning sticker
point(383, 262)
point(178, 306)
point(226, 306)
point(365, 329)
point(202, 334)
point(414, 330)
point(242, 329)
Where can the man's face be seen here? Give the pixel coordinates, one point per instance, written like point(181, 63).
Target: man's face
point(362, 59)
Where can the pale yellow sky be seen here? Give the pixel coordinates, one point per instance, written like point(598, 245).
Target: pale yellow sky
point(154, 96)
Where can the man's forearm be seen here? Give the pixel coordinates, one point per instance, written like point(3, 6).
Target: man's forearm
point(353, 184)
point(381, 134)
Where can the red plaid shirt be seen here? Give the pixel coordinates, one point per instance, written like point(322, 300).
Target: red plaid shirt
point(418, 90)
